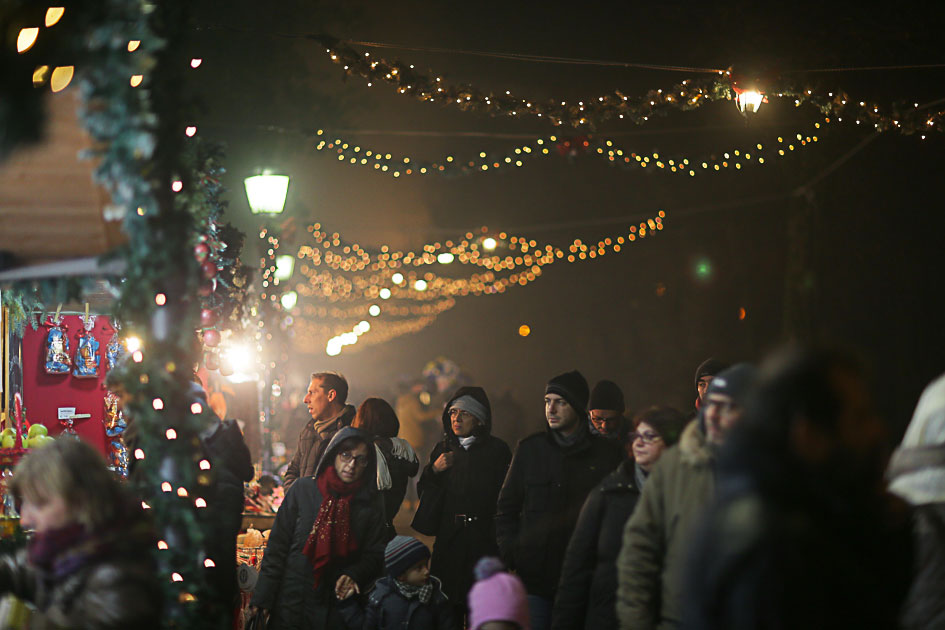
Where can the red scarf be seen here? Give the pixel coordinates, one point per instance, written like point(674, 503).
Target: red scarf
point(331, 536)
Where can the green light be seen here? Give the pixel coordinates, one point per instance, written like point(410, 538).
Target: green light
point(703, 269)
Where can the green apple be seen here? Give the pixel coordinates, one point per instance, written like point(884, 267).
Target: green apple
point(7, 431)
point(40, 441)
point(37, 429)
point(24, 441)
point(7, 440)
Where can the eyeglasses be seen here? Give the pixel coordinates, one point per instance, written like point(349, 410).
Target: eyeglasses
point(346, 458)
point(648, 438)
point(461, 414)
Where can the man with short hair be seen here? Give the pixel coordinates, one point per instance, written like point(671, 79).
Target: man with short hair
point(656, 538)
point(325, 399)
point(550, 476)
point(605, 412)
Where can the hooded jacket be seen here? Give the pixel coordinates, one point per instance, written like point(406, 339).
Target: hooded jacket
point(467, 492)
point(541, 497)
point(285, 585)
point(312, 442)
point(656, 538)
point(387, 608)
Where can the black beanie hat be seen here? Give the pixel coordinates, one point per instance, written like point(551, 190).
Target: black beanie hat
point(571, 386)
point(607, 395)
point(709, 367)
point(735, 381)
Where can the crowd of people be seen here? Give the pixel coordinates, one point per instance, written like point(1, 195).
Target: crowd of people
point(772, 504)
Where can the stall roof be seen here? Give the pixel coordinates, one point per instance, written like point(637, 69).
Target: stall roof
point(50, 208)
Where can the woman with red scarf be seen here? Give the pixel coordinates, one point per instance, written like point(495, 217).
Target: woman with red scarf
point(327, 540)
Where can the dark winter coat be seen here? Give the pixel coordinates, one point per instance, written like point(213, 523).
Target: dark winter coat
point(796, 561)
point(387, 609)
point(657, 536)
point(468, 491)
point(312, 443)
point(540, 501)
point(925, 607)
point(285, 585)
point(401, 470)
point(587, 592)
point(115, 592)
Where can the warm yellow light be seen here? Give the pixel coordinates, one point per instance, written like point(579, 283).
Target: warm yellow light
point(266, 193)
point(136, 80)
point(133, 45)
point(749, 101)
point(375, 310)
point(524, 330)
point(420, 285)
point(39, 75)
point(53, 14)
point(61, 77)
point(489, 244)
point(385, 293)
point(289, 300)
point(397, 278)
point(285, 265)
point(445, 258)
point(26, 38)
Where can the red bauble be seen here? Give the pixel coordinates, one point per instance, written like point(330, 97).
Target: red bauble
point(208, 317)
point(207, 288)
point(201, 251)
point(212, 361)
point(209, 269)
point(211, 337)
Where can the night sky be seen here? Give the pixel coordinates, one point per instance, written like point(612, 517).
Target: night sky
point(861, 268)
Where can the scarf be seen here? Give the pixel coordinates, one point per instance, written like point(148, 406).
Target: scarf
point(423, 593)
point(639, 476)
point(331, 536)
point(466, 442)
point(58, 553)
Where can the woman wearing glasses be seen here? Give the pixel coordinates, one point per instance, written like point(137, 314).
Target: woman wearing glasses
point(587, 591)
point(327, 540)
point(458, 491)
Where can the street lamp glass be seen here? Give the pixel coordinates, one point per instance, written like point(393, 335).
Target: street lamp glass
point(284, 266)
point(266, 193)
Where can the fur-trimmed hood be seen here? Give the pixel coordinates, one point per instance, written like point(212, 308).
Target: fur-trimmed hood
point(694, 448)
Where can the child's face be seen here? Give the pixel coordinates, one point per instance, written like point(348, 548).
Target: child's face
point(418, 574)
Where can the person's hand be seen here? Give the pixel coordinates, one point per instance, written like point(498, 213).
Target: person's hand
point(443, 462)
point(345, 587)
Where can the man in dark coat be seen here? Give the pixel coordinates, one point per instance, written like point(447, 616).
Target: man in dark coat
point(803, 534)
point(587, 592)
point(325, 399)
point(463, 478)
point(286, 585)
point(704, 375)
point(551, 474)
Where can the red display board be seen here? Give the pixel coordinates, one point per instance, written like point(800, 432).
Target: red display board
point(44, 394)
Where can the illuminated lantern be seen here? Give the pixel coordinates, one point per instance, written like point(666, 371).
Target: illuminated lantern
point(748, 100)
point(266, 193)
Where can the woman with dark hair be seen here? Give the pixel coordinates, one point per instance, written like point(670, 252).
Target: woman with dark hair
point(327, 540)
point(458, 491)
point(89, 562)
point(586, 596)
point(396, 460)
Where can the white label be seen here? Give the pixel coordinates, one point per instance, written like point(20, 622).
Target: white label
point(66, 412)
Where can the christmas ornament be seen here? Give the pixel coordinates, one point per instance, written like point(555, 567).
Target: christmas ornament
point(57, 349)
point(201, 251)
point(211, 337)
point(87, 357)
point(208, 317)
point(209, 269)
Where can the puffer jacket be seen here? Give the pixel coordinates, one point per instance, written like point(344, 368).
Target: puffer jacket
point(116, 592)
point(587, 592)
point(286, 586)
point(387, 608)
point(656, 538)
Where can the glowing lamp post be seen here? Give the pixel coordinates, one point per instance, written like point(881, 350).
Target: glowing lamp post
point(748, 101)
point(266, 193)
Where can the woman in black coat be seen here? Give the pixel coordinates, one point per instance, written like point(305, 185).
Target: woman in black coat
point(396, 460)
point(586, 596)
point(327, 540)
point(458, 491)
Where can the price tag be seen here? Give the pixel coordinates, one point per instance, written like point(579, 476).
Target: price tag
point(66, 412)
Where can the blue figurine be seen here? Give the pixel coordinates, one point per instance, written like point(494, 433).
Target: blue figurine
point(57, 351)
point(87, 357)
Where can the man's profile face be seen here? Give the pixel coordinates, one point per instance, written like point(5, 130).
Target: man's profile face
point(317, 399)
point(604, 420)
point(721, 414)
point(559, 414)
point(703, 385)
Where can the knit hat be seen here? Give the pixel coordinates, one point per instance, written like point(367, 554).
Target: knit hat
point(403, 552)
point(473, 406)
point(607, 395)
point(571, 386)
point(734, 382)
point(709, 367)
point(497, 596)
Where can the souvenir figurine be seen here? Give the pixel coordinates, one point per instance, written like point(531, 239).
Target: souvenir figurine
point(57, 349)
point(87, 356)
point(114, 427)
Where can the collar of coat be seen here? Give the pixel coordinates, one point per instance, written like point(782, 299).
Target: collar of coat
point(694, 449)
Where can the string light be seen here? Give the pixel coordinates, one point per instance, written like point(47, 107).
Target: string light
point(53, 15)
point(26, 38)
